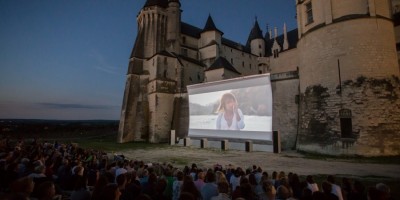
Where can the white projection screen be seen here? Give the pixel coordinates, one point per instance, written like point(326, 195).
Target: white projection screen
point(253, 96)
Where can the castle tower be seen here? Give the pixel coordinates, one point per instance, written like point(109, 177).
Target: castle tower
point(256, 40)
point(150, 77)
point(174, 26)
point(210, 42)
point(152, 20)
point(348, 76)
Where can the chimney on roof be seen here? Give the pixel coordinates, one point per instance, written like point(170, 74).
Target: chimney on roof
point(285, 39)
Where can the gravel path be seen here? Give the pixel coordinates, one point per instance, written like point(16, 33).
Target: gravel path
point(286, 161)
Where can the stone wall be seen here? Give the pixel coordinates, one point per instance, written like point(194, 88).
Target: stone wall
point(364, 47)
point(285, 110)
point(375, 115)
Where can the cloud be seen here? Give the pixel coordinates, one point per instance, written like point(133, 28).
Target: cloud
point(74, 106)
point(102, 63)
point(107, 69)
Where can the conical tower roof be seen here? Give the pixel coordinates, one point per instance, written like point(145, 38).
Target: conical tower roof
point(210, 26)
point(255, 33)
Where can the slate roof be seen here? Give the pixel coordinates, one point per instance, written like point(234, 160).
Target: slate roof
point(210, 26)
point(292, 37)
point(255, 33)
point(221, 62)
point(161, 3)
point(195, 32)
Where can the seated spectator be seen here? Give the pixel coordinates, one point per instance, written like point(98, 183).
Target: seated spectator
point(209, 189)
point(223, 192)
point(283, 193)
point(311, 184)
point(358, 191)
point(336, 190)
point(268, 191)
point(327, 191)
point(189, 187)
point(385, 190)
point(100, 185)
point(132, 188)
point(177, 185)
point(149, 187)
point(80, 191)
point(199, 183)
point(159, 191)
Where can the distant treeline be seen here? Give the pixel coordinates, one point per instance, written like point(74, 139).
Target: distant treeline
point(48, 128)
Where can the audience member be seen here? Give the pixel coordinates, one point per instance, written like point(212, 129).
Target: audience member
point(209, 189)
point(189, 187)
point(336, 190)
point(223, 192)
point(80, 191)
point(311, 184)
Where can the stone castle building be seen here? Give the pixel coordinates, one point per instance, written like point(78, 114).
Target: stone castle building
point(335, 79)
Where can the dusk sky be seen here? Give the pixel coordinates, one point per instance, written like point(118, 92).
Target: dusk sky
point(67, 59)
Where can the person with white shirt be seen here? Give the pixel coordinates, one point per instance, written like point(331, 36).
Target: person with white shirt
point(230, 117)
point(336, 189)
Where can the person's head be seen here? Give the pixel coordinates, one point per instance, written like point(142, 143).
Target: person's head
point(121, 180)
point(201, 175)
point(384, 189)
point(283, 192)
point(331, 179)
point(310, 179)
point(223, 187)
point(220, 177)
point(179, 175)
point(210, 177)
point(79, 170)
point(227, 102)
point(326, 187)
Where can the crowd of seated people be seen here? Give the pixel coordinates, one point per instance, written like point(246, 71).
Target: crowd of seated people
point(46, 171)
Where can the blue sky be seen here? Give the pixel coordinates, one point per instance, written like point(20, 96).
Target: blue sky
point(67, 59)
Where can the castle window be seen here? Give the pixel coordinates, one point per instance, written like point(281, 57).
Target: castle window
point(259, 46)
point(232, 61)
point(345, 123)
point(259, 71)
point(309, 13)
point(184, 52)
point(231, 50)
point(243, 64)
point(184, 40)
point(250, 66)
point(165, 60)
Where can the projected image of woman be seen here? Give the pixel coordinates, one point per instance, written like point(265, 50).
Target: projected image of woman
point(230, 117)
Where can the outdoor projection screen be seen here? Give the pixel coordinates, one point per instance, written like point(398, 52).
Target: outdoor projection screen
point(254, 99)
